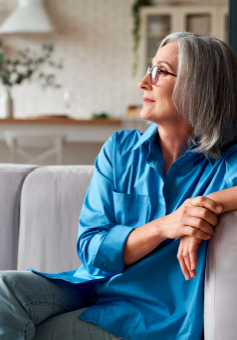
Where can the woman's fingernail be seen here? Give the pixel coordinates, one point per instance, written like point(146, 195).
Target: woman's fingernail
point(218, 208)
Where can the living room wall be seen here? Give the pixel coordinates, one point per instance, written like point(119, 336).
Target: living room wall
point(94, 39)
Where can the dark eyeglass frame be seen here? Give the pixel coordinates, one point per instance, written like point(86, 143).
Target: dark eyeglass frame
point(153, 80)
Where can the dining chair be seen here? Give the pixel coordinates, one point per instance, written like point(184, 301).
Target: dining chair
point(18, 142)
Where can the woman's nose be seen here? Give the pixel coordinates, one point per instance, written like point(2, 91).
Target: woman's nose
point(145, 83)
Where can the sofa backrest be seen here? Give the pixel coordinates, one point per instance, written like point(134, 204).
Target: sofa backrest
point(51, 202)
point(12, 177)
point(43, 203)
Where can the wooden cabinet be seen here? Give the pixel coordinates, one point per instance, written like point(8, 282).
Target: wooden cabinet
point(158, 21)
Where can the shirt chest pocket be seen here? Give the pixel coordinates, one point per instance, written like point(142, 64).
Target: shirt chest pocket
point(131, 209)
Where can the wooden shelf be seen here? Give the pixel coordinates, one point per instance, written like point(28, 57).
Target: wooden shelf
point(62, 121)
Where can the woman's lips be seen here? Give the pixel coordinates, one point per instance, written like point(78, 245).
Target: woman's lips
point(148, 100)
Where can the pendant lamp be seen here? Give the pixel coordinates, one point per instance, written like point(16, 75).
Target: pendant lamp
point(29, 17)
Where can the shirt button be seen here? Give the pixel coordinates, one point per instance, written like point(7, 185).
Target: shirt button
point(104, 264)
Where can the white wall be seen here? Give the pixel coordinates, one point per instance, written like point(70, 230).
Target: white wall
point(94, 39)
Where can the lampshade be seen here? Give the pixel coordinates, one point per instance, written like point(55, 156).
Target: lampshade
point(29, 17)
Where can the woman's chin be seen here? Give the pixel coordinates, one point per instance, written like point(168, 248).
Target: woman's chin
point(145, 114)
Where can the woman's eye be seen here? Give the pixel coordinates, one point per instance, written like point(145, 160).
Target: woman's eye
point(162, 72)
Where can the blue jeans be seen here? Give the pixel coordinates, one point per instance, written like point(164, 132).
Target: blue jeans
point(35, 307)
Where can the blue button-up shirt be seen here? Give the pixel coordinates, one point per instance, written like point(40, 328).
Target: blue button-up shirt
point(149, 299)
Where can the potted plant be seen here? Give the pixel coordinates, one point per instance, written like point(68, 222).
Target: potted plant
point(136, 29)
point(27, 67)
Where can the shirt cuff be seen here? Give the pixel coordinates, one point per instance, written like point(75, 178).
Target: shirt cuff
point(110, 253)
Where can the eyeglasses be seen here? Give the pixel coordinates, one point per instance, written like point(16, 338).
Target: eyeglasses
point(155, 72)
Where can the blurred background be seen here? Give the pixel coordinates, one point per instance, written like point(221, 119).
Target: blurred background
point(69, 70)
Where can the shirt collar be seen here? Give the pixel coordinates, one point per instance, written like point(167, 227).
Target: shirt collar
point(151, 131)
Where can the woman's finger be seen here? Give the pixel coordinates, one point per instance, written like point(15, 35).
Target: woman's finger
point(193, 259)
point(200, 223)
point(193, 262)
point(193, 273)
point(183, 266)
point(194, 232)
point(206, 202)
point(187, 259)
point(193, 247)
point(187, 250)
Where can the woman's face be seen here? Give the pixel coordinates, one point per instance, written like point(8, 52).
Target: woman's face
point(162, 107)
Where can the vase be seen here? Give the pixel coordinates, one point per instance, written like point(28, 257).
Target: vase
point(6, 103)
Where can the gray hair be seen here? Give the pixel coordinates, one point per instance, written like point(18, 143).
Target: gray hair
point(205, 91)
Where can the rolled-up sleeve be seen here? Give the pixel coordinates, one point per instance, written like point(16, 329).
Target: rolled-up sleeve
point(101, 241)
point(231, 168)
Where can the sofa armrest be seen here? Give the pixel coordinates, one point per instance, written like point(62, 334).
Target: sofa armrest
point(220, 293)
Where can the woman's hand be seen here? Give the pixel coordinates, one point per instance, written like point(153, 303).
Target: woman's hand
point(187, 255)
point(195, 217)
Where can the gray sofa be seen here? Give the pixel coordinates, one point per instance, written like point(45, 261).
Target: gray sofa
point(39, 211)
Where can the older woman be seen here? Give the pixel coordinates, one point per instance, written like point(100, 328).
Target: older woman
point(154, 196)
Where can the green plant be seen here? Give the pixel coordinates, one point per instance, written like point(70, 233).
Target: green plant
point(136, 29)
point(103, 115)
point(27, 65)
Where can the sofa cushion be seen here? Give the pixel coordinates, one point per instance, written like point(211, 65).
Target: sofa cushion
point(52, 198)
